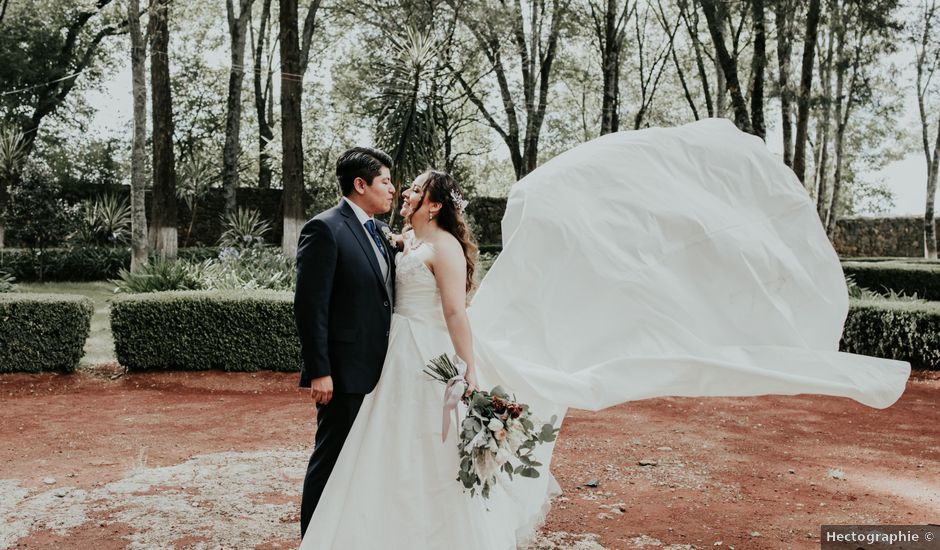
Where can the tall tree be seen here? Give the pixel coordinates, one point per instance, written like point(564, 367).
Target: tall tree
point(163, 233)
point(238, 31)
point(139, 244)
point(295, 52)
point(717, 17)
point(864, 31)
point(264, 99)
point(806, 86)
point(927, 50)
point(610, 29)
point(784, 15)
point(44, 50)
point(652, 57)
point(534, 29)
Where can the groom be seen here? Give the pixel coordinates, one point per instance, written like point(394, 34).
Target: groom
point(343, 307)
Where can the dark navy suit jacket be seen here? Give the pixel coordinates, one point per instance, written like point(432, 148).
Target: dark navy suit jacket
point(342, 307)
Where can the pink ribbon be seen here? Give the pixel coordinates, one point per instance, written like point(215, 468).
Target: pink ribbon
point(453, 391)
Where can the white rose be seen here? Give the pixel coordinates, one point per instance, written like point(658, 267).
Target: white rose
point(495, 425)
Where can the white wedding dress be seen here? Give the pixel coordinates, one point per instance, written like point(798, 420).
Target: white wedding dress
point(664, 262)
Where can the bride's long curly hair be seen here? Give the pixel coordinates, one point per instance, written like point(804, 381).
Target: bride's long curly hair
point(443, 188)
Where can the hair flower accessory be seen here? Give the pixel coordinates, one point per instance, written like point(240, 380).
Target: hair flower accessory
point(459, 201)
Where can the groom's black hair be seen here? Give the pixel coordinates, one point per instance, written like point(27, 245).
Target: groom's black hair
point(360, 162)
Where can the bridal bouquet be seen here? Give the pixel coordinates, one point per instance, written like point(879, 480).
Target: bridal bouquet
point(499, 434)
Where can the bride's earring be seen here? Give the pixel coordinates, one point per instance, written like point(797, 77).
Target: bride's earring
point(430, 216)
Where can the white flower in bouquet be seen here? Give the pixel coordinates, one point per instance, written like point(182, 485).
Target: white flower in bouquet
point(495, 425)
point(503, 455)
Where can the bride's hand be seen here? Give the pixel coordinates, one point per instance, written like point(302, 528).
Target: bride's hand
point(472, 385)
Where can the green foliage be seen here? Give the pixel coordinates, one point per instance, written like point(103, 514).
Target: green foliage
point(255, 268)
point(159, 275)
point(906, 331)
point(234, 331)
point(86, 263)
point(36, 215)
point(898, 277)
point(42, 332)
point(105, 221)
point(244, 228)
point(7, 282)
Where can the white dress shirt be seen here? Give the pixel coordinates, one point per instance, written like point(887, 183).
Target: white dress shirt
point(363, 218)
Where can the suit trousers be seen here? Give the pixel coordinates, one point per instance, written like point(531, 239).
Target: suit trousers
point(334, 420)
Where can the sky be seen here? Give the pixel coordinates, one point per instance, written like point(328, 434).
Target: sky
point(905, 178)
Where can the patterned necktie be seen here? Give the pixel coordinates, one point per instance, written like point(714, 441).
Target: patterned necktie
point(370, 227)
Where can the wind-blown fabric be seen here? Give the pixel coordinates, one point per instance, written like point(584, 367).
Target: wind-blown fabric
point(685, 261)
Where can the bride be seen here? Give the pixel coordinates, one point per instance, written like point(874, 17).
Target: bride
point(682, 262)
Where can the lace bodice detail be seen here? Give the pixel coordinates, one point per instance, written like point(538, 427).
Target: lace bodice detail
point(416, 293)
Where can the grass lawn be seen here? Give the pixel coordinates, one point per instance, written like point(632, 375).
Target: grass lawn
point(99, 348)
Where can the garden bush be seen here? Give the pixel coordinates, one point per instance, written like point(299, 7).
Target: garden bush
point(901, 277)
point(40, 332)
point(903, 330)
point(195, 330)
point(87, 263)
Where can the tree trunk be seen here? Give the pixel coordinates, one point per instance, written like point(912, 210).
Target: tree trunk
point(610, 41)
point(784, 22)
point(263, 98)
point(930, 236)
point(139, 244)
point(291, 128)
point(844, 99)
point(758, 64)
point(806, 86)
point(715, 16)
point(237, 30)
point(822, 132)
point(163, 219)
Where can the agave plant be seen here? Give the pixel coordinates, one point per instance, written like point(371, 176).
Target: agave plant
point(106, 220)
point(244, 228)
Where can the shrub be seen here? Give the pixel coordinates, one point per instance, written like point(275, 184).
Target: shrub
point(43, 332)
point(36, 214)
point(87, 263)
point(908, 278)
point(255, 268)
point(230, 330)
point(907, 331)
point(160, 275)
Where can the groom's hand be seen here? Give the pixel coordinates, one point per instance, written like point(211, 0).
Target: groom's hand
point(321, 389)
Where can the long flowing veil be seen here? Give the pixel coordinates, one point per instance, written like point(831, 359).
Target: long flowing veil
point(685, 261)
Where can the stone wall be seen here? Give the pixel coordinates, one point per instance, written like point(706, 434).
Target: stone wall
point(901, 236)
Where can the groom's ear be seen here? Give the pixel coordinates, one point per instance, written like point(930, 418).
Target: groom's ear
point(359, 185)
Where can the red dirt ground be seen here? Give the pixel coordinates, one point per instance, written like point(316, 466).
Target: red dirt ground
point(732, 472)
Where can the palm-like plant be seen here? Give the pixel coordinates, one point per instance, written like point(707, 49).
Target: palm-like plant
point(196, 176)
point(12, 156)
point(244, 228)
point(404, 107)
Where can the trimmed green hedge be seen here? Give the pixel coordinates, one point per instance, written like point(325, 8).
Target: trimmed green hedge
point(40, 332)
point(196, 330)
point(85, 263)
point(907, 331)
point(921, 278)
